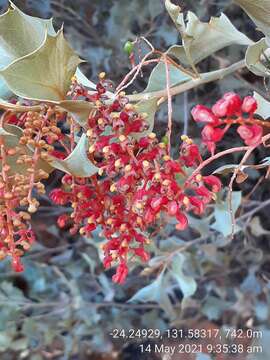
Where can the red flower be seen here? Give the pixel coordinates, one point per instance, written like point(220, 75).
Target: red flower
point(121, 273)
point(182, 221)
point(58, 154)
point(251, 134)
point(172, 208)
point(59, 196)
point(62, 220)
point(213, 181)
point(16, 264)
point(190, 154)
point(144, 255)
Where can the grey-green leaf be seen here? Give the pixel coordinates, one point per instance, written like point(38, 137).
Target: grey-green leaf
point(44, 74)
point(263, 108)
point(21, 34)
point(157, 79)
point(78, 109)
point(201, 39)
point(148, 107)
point(257, 59)
point(186, 283)
point(259, 12)
point(82, 79)
point(223, 221)
point(77, 163)
point(156, 292)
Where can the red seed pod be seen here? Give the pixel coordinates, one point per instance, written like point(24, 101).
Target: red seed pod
point(203, 114)
point(222, 108)
point(251, 134)
point(209, 133)
point(235, 102)
point(59, 196)
point(249, 105)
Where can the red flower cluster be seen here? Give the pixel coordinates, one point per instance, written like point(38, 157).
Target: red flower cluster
point(229, 110)
point(138, 184)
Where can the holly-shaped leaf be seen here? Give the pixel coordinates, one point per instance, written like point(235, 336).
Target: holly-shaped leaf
point(78, 109)
point(12, 134)
point(259, 12)
point(157, 79)
point(257, 59)
point(148, 107)
point(263, 108)
point(21, 34)
point(77, 163)
point(223, 221)
point(186, 283)
point(201, 39)
point(44, 74)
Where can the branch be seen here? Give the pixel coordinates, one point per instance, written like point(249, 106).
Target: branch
point(191, 84)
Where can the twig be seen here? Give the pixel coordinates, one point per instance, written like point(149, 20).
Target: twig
point(185, 130)
point(205, 78)
point(169, 97)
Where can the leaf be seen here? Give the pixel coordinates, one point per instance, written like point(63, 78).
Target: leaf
point(223, 222)
point(157, 80)
point(214, 307)
point(155, 8)
point(77, 163)
point(200, 39)
point(155, 292)
point(263, 106)
point(82, 79)
point(200, 225)
point(44, 74)
point(21, 34)
point(256, 227)
point(259, 12)
point(176, 15)
point(186, 283)
point(150, 292)
point(266, 161)
point(148, 107)
point(78, 109)
point(256, 60)
point(5, 93)
point(230, 168)
point(226, 169)
point(12, 136)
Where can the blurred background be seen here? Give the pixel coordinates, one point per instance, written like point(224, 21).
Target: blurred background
point(64, 305)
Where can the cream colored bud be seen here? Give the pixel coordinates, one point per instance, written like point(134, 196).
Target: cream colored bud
point(92, 148)
point(152, 135)
point(122, 138)
point(113, 188)
point(102, 75)
point(146, 164)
